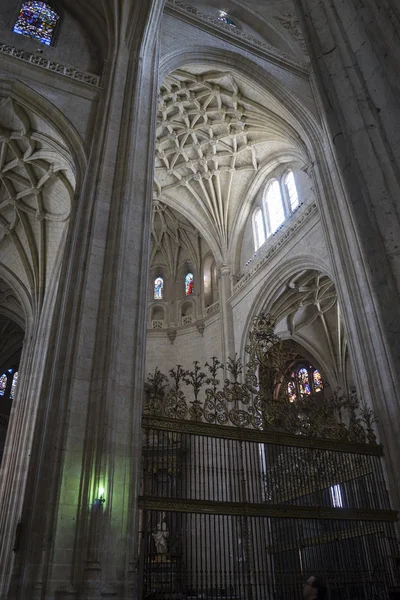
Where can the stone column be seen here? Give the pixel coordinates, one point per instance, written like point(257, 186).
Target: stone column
point(87, 430)
point(227, 329)
point(354, 52)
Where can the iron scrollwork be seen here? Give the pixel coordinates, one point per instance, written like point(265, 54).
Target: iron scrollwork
point(255, 395)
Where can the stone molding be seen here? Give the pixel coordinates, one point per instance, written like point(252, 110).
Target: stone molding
point(273, 54)
point(290, 22)
point(50, 65)
point(283, 238)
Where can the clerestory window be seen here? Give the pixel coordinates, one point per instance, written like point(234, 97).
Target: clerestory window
point(281, 199)
point(258, 229)
point(37, 20)
point(158, 288)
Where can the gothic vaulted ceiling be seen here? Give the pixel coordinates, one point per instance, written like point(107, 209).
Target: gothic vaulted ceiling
point(173, 240)
point(36, 191)
point(215, 136)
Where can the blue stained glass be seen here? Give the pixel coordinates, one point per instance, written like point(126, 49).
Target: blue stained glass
point(225, 19)
point(158, 288)
point(3, 384)
point(37, 20)
point(304, 382)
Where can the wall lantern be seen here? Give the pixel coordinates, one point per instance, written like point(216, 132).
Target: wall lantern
point(100, 500)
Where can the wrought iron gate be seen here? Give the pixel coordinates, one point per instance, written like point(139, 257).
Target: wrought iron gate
point(232, 507)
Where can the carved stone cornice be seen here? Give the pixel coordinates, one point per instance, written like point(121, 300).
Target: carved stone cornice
point(50, 65)
point(190, 14)
point(240, 509)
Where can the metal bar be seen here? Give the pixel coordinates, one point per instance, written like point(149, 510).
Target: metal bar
point(265, 510)
point(266, 437)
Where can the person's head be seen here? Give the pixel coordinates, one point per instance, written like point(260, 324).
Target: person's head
point(314, 589)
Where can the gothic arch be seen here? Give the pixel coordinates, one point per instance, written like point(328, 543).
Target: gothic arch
point(294, 122)
point(38, 199)
point(280, 97)
point(21, 293)
point(310, 353)
point(278, 278)
point(33, 101)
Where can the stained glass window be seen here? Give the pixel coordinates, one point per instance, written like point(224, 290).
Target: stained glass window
point(14, 385)
point(37, 20)
point(292, 391)
point(3, 384)
point(158, 288)
point(259, 231)
point(318, 384)
point(223, 17)
point(275, 209)
point(291, 189)
point(304, 381)
point(189, 282)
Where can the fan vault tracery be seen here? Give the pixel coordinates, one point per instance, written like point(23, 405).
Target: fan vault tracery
point(173, 239)
point(36, 191)
point(212, 140)
point(307, 309)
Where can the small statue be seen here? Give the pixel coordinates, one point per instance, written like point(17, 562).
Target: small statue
point(160, 538)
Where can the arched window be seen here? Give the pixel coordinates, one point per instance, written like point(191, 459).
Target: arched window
point(158, 288)
point(14, 385)
point(223, 17)
point(274, 207)
point(317, 379)
point(3, 384)
point(258, 229)
point(37, 20)
point(189, 283)
point(292, 394)
point(291, 190)
point(304, 380)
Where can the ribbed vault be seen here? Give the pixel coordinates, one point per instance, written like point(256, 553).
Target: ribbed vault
point(36, 191)
point(173, 239)
point(214, 135)
point(307, 310)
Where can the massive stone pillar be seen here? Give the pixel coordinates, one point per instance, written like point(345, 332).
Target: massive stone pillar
point(73, 488)
point(354, 51)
